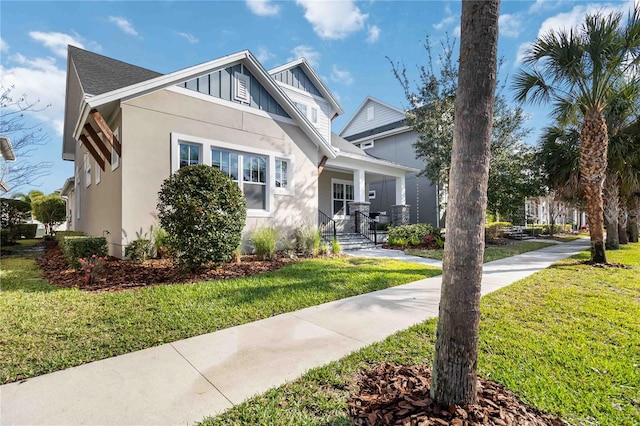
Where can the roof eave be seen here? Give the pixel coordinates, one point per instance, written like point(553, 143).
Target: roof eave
point(374, 160)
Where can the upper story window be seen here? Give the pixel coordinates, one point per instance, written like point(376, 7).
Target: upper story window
point(314, 115)
point(241, 84)
point(301, 107)
point(367, 145)
point(189, 154)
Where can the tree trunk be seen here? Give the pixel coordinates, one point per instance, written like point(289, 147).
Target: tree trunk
point(611, 210)
point(622, 223)
point(455, 360)
point(632, 222)
point(594, 141)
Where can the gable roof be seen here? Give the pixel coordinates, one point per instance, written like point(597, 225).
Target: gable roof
point(348, 150)
point(99, 74)
point(162, 81)
point(311, 74)
point(362, 107)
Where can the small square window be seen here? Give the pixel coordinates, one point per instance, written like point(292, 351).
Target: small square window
point(282, 173)
point(189, 154)
point(301, 107)
point(366, 145)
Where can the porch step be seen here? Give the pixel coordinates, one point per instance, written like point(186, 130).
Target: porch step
point(350, 241)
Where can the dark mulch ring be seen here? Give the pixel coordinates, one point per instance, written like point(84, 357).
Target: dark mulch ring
point(397, 395)
point(605, 265)
point(117, 274)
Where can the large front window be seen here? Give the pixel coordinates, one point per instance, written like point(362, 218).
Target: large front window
point(189, 154)
point(342, 194)
point(252, 180)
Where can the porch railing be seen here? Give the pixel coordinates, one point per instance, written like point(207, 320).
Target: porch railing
point(366, 226)
point(327, 226)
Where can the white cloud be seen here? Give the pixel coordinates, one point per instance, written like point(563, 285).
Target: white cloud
point(39, 79)
point(445, 22)
point(456, 31)
point(341, 76)
point(4, 47)
point(521, 51)
point(333, 20)
point(123, 24)
point(189, 37)
point(263, 54)
point(309, 53)
point(56, 42)
point(374, 34)
point(509, 25)
point(543, 5)
point(575, 16)
point(263, 7)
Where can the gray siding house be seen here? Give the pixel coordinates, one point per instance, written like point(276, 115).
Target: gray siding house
point(381, 131)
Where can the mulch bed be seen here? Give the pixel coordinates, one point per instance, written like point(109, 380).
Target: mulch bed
point(397, 395)
point(118, 274)
point(606, 265)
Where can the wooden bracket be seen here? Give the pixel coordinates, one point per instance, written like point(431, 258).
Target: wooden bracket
point(322, 164)
point(106, 130)
point(96, 139)
point(87, 143)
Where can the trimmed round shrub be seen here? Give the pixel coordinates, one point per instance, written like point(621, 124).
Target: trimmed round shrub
point(203, 212)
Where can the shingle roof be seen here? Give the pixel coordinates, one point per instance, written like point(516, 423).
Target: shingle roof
point(99, 74)
point(346, 146)
point(377, 130)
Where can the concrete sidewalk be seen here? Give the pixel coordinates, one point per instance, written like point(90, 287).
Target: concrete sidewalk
point(185, 381)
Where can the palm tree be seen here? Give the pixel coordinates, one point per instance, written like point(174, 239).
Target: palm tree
point(456, 353)
point(579, 71)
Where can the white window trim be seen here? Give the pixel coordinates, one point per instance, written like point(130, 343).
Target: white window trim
point(115, 158)
point(239, 78)
point(87, 169)
point(76, 193)
point(314, 112)
point(98, 173)
point(372, 194)
point(345, 182)
point(367, 145)
point(207, 144)
point(289, 189)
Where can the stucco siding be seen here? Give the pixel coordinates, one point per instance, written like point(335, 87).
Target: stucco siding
point(148, 125)
point(381, 115)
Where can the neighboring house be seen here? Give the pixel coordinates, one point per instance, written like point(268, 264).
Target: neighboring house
point(380, 129)
point(6, 151)
point(546, 210)
point(128, 128)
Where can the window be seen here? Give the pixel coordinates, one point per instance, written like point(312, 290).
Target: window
point(189, 154)
point(87, 169)
point(115, 158)
point(241, 88)
point(252, 181)
point(314, 115)
point(342, 194)
point(372, 194)
point(370, 113)
point(366, 145)
point(282, 173)
point(98, 173)
point(76, 193)
point(301, 107)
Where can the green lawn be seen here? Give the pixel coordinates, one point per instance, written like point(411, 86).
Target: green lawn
point(566, 340)
point(43, 328)
point(491, 252)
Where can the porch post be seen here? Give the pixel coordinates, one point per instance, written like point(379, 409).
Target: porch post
point(359, 186)
point(400, 211)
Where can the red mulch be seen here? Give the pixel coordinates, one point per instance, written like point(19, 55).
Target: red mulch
point(397, 395)
point(118, 274)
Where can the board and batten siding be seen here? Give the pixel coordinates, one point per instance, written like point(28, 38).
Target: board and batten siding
point(297, 78)
point(382, 115)
point(219, 84)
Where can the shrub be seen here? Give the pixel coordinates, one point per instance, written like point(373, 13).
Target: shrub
point(410, 232)
point(91, 266)
point(75, 247)
point(4, 236)
point(439, 242)
point(335, 246)
point(264, 241)
point(203, 212)
point(159, 238)
point(415, 241)
point(23, 230)
point(60, 235)
point(494, 230)
point(307, 240)
point(398, 242)
point(138, 250)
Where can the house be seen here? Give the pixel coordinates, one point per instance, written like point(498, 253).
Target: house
point(381, 131)
point(127, 128)
point(548, 209)
point(7, 154)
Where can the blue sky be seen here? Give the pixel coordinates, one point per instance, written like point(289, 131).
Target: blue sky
point(346, 41)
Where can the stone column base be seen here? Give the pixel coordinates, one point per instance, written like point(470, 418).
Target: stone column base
point(400, 214)
point(357, 206)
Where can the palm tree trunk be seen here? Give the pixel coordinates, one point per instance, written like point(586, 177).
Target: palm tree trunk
point(594, 141)
point(456, 353)
point(632, 222)
point(612, 210)
point(622, 222)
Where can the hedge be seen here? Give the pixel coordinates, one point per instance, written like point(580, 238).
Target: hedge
point(544, 229)
point(4, 236)
point(494, 230)
point(412, 234)
point(76, 247)
point(60, 235)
